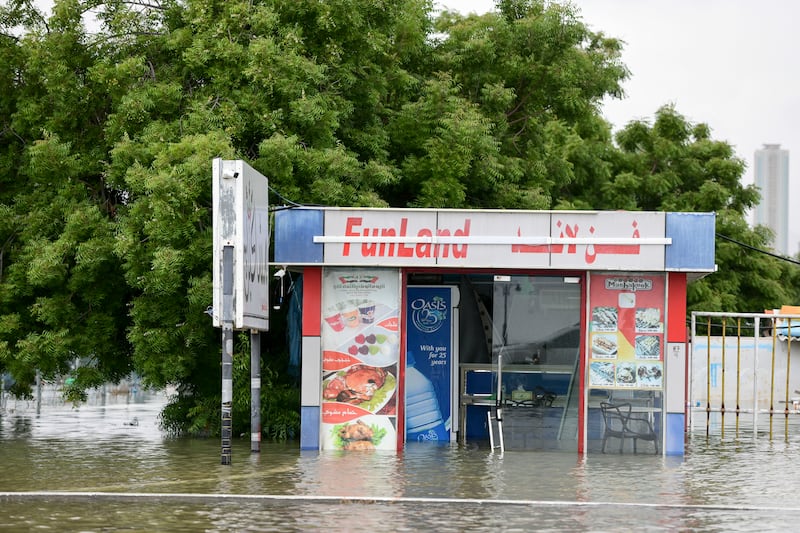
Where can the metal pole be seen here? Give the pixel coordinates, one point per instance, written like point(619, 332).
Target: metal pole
point(690, 375)
point(38, 392)
point(227, 352)
point(708, 376)
point(788, 367)
point(772, 378)
point(738, 369)
point(255, 391)
point(500, 398)
point(756, 336)
point(722, 405)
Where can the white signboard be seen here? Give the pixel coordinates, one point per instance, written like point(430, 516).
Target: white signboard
point(599, 240)
point(584, 240)
point(382, 237)
point(498, 238)
point(241, 220)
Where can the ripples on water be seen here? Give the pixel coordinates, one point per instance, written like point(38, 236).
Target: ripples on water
point(155, 484)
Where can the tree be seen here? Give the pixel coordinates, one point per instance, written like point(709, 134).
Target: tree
point(674, 165)
point(510, 112)
point(62, 296)
point(298, 88)
point(107, 137)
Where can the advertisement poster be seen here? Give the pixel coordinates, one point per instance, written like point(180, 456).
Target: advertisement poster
point(360, 353)
point(429, 347)
point(626, 331)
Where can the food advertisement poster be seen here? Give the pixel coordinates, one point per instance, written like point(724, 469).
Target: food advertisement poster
point(360, 353)
point(626, 331)
point(429, 344)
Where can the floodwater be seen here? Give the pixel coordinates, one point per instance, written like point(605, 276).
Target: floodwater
point(105, 466)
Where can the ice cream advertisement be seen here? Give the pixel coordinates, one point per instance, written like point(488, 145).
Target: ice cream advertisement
point(360, 353)
point(626, 331)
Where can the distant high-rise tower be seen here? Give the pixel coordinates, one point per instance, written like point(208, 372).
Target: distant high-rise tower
point(772, 180)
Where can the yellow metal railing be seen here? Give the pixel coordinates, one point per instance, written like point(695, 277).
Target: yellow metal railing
point(713, 337)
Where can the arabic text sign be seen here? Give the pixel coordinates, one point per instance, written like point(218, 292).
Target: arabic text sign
point(608, 255)
point(569, 239)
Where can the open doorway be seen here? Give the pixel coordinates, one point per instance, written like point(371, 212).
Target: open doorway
point(527, 330)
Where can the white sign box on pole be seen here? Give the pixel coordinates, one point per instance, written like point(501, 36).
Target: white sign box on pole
point(241, 220)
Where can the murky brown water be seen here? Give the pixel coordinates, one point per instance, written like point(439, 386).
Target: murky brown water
point(107, 468)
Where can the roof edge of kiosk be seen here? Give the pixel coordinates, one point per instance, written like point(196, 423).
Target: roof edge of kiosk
point(455, 238)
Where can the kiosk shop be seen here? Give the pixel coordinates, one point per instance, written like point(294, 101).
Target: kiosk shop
point(417, 322)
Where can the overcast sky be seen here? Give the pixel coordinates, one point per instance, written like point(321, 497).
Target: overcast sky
point(732, 64)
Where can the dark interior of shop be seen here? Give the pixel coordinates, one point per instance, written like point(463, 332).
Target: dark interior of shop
point(530, 327)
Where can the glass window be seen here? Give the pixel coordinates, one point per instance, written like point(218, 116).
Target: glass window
point(536, 320)
point(530, 327)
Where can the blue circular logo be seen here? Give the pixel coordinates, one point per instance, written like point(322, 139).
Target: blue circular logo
point(428, 316)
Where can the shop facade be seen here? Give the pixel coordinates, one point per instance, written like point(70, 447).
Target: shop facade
point(417, 323)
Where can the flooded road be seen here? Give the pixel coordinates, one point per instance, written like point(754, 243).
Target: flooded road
point(106, 467)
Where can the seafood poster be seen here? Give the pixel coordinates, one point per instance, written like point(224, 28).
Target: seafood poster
point(626, 331)
point(360, 353)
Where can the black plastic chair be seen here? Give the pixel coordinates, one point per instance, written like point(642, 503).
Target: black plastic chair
point(620, 423)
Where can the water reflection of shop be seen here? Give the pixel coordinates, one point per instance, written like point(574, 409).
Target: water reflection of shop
point(410, 316)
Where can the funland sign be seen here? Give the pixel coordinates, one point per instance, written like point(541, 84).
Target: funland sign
point(556, 239)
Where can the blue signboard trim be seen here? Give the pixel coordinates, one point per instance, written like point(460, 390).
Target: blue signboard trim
point(294, 236)
point(692, 245)
point(309, 427)
point(675, 434)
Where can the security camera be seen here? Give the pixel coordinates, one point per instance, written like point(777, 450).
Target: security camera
point(278, 289)
point(229, 175)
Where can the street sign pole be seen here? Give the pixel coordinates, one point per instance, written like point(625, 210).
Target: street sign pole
point(241, 279)
point(227, 353)
point(255, 391)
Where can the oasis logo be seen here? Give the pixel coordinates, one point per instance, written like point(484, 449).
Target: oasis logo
point(428, 315)
point(429, 435)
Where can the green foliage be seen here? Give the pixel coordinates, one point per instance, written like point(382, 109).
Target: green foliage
point(200, 415)
point(539, 75)
point(106, 140)
point(674, 165)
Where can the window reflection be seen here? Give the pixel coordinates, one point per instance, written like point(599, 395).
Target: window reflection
point(531, 324)
point(536, 320)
